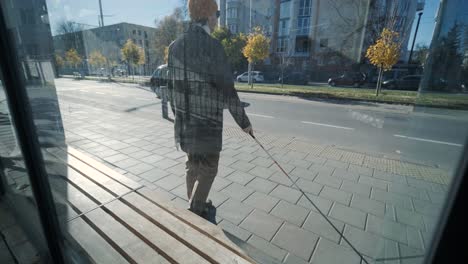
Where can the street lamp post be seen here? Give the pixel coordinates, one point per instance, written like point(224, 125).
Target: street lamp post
point(414, 38)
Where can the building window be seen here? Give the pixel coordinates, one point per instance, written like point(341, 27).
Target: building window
point(27, 16)
point(324, 43)
point(305, 8)
point(282, 45)
point(139, 32)
point(146, 43)
point(303, 24)
point(146, 35)
point(285, 9)
point(284, 27)
point(232, 13)
point(140, 42)
point(302, 44)
point(134, 32)
point(232, 28)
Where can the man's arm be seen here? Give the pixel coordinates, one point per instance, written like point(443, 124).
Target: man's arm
point(231, 99)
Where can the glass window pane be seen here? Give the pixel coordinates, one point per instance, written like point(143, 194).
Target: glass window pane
point(373, 139)
point(17, 202)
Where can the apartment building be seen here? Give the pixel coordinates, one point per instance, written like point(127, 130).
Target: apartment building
point(327, 32)
point(242, 15)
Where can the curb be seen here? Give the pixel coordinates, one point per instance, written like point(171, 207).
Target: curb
point(319, 98)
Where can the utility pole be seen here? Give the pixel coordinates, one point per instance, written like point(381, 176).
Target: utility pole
point(250, 32)
point(414, 38)
point(102, 17)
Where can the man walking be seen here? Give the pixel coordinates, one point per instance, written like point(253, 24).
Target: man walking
point(201, 86)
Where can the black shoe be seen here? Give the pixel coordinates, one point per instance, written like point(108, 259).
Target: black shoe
point(209, 213)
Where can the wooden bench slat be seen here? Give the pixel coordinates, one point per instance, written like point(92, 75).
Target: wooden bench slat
point(123, 237)
point(141, 226)
point(89, 187)
point(94, 245)
point(109, 183)
point(197, 223)
point(67, 192)
point(191, 236)
point(169, 247)
point(104, 169)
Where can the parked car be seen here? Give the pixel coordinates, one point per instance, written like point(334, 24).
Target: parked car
point(118, 72)
point(409, 82)
point(102, 72)
point(293, 78)
point(158, 80)
point(257, 76)
point(355, 79)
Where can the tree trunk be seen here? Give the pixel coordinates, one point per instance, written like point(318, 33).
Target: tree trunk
point(282, 77)
point(250, 74)
point(379, 82)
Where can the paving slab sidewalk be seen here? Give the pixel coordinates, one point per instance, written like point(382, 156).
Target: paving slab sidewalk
point(385, 207)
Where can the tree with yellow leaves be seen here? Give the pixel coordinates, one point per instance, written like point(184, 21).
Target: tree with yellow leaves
point(166, 54)
point(256, 49)
point(384, 53)
point(59, 62)
point(72, 58)
point(96, 59)
point(133, 54)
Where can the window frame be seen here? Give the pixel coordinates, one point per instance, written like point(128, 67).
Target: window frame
point(25, 129)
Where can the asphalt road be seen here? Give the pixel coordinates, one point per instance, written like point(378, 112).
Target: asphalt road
point(429, 136)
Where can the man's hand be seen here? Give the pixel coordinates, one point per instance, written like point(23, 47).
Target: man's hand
point(248, 130)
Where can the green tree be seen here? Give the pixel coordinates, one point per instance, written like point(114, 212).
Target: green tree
point(420, 54)
point(73, 58)
point(256, 49)
point(445, 62)
point(233, 45)
point(133, 54)
point(384, 53)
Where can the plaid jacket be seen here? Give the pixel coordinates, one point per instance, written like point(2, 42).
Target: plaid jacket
point(201, 86)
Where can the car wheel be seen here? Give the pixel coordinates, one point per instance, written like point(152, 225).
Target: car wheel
point(332, 84)
point(356, 85)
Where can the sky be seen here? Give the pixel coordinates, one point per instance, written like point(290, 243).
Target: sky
point(144, 12)
point(426, 26)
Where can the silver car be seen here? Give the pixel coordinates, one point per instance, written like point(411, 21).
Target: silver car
point(257, 76)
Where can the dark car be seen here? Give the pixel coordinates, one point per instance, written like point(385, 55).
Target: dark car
point(355, 79)
point(409, 82)
point(293, 78)
point(159, 79)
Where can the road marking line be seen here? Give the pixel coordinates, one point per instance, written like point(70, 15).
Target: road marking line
point(265, 116)
point(430, 140)
point(99, 93)
point(144, 99)
point(326, 125)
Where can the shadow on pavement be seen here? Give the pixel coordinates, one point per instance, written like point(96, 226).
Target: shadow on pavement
point(133, 109)
point(324, 97)
point(251, 251)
